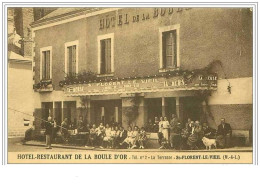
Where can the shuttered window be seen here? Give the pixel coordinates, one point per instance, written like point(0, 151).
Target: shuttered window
point(46, 70)
point(71, 59)
point(169, 49)
point(105, 56)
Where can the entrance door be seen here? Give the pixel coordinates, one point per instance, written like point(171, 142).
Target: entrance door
point(47, 110)
point(170, 107)
point(154, 108)
point(107, 111)
point(70, 111)
point(192, 107)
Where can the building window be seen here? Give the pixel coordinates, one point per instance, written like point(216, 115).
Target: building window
point(106, 54)
point(169, 48)
point(105, 67)
point(71, 58)
point(46, 63)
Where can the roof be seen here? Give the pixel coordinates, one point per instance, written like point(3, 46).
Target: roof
point(17, 57)
point(64, 13)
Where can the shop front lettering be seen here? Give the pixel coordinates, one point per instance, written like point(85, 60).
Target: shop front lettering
point(124, 19)
point(210, 78)
point(174, 83)
point(149, 80)
point(75, 89)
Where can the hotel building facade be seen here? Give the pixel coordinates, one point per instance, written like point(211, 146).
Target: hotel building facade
point(129, 65)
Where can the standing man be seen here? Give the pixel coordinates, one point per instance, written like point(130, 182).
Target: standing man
point(224, 134)
point(48, 132)
point(156, 124)
point(174, 128)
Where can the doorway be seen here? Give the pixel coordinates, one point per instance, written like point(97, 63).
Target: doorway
point(154, 108)
point(107, 111)
point(47, 110)
point(192, 108)
point(69, 111)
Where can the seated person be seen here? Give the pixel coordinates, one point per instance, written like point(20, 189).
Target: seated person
point(185, 133)
point(100, 135)
point(114, 135)
point(224, 135)
point(122, 135)
point(195, 136)
point(142, 138)
point(80, 125)
point(64, 129)
point(92, 136)
point(209, 133)
point(175, 136)
point(135, 137)
point(128, 139)
point(107, 137)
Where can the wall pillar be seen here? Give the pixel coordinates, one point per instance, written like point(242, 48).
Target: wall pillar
point(62, 111)
point(164, 105)
point(140, 121)
point(88, 111)
point(179, 109)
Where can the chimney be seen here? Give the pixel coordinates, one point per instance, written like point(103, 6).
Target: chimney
point(27, 19)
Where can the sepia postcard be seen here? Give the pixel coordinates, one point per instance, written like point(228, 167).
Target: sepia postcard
point(170, 84)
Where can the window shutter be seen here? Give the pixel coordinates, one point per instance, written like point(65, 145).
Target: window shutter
point(103, 62)
point(48, 65)
point(169, 49)
point(74, 59)
point(43, 65)
point(108, 56)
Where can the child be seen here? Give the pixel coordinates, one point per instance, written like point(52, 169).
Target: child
point(142, 138)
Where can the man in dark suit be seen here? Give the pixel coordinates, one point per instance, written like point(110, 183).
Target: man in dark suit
point(224, 134)
point(48, 132)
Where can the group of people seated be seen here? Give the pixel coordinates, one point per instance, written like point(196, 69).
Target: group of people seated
point(193, 135)
point(116, 137)
point(109, 136)
point(171, 134)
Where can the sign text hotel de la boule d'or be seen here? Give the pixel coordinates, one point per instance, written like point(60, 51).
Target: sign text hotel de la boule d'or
point(151, 84)
point(120, 19)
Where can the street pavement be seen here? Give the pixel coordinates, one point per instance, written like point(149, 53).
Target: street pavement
point(15, 145)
